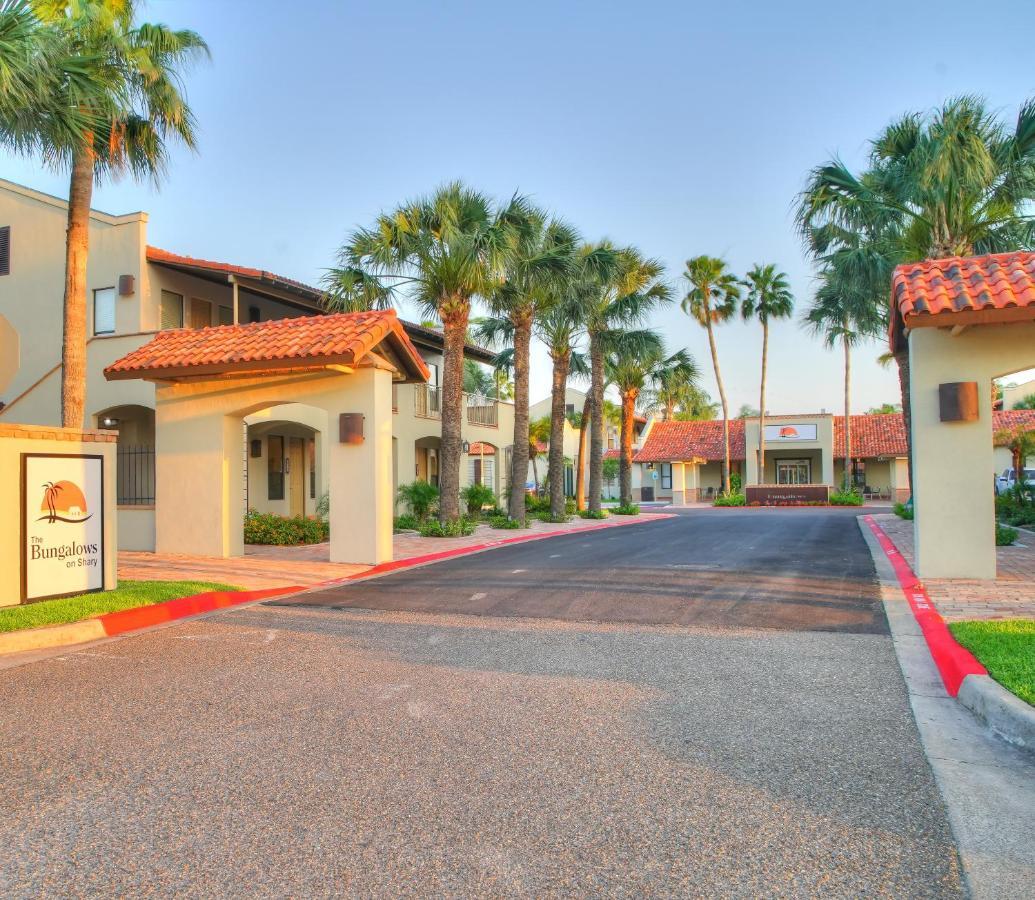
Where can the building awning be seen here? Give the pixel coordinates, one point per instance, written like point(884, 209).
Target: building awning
point(958, 292)
point(303, 343)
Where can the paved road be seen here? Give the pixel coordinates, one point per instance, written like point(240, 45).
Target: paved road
point(766, 749)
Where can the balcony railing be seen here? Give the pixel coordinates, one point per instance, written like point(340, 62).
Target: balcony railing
point(427, 401)
point(482, 411)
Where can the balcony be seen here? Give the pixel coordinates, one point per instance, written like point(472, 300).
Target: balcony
point(427, 404)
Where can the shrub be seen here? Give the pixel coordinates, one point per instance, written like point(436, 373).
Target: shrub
point(477, 496)
point(736, 483)
point(419, 496)
point(631, 509)
point(504, 522)
point(406, 523)
point(730, 498)
point(323, 505)
point(846, 498)
point(282, 531)
point(569, 506)
point(456, 528)
point(903, 511)
point(1013, 511)
point(591, 514)
point(547, 516)
point(1004, 535)
point(537, 504)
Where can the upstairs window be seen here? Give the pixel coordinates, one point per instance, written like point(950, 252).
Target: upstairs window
point(172, 310)
point(5, 250)
point(104, 311)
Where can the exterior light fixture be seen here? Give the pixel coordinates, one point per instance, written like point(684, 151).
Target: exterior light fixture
point(466, 446)
point(109, 422)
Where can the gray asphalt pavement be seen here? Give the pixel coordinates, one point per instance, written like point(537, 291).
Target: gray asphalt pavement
point(309, 751)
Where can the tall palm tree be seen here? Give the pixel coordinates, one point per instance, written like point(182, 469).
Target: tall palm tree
point(637, 360)
point(955, 181)
point(544, 260)
point(768, 297)
point(444, 250)
point(584, 422)
point(627, 286)
point(670, 392)
point(842, 312)
point(143, 110)
point(712, 299)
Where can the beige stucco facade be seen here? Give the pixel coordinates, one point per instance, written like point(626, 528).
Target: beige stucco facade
point(954, 503)
point(1015, 393)
point(30, 374)
point(18, 440)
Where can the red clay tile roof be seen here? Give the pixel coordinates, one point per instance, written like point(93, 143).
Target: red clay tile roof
point(612, 454)
point(872, 436)
point(963, 290)
point(683, 441)
point(301, 342)
point(480, 448)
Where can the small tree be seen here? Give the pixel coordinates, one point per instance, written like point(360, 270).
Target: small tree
point(611, 466)
point(1026, 402)
point(1020, 440)
point(419, 497)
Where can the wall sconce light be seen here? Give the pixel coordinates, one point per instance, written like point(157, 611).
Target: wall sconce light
point(466, 446)
point(350, 428)
point(109, 422)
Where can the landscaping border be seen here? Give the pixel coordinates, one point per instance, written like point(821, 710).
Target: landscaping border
point(963, 676)
point(139, 618)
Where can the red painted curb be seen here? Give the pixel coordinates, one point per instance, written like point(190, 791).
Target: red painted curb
point(954, 662)
point(145, 616)
point(414, 561)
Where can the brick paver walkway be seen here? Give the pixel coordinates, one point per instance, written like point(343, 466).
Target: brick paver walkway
point(266, 567)
point(1011, 595)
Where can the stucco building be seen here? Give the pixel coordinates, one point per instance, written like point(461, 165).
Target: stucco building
point(135, 291)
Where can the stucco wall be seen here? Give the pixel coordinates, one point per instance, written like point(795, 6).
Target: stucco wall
point(16, 440)
point(953, 461)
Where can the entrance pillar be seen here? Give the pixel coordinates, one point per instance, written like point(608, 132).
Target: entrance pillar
point(361, 495)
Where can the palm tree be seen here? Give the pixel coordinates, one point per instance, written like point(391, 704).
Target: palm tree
point(143, 109)
point(842, 312)
point(768, 297)
point(535, 280)
point(952, 182)
point(670, 392)
point(626, 286)
point(444, 250)
point(711, 300)
point(584, 422)
point(637, 360)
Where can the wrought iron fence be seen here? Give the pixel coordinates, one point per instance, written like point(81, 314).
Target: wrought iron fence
point(135, 476)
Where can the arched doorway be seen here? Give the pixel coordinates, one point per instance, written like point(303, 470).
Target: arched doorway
point(284, 459)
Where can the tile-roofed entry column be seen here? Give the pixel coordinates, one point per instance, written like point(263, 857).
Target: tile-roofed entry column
point(965, 321)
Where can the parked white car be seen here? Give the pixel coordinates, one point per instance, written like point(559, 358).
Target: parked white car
point(1008, 480)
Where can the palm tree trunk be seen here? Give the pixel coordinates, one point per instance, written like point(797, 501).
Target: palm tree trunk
point(580, 472)
point(722, 399)
point(626, 456)
point(596, 437)
point(848, 415)
point(902, 361)
point(561, 362)
point(761, 403)
point(454, 315)
point(77, 248)
point(519, 458)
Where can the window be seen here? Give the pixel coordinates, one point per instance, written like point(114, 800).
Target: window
point(481, 470)
point(226, 315)
point(312, 469)
point(172, 310)
point(275, 468)
point(666, 476)
point(859, 472)
point(569, 409)
point(433, 380)
point(200, 313)
point(253, 314)
point(5, 250)
point(104, 311)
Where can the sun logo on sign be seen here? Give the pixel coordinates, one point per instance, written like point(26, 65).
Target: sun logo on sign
point(788, 431)
point(63, 501)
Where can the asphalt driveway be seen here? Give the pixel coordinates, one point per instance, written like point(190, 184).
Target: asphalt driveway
point(766, 749)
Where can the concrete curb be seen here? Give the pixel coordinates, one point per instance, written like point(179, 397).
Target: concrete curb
point(136, 618)
point(1008, 717)
point(139, 618)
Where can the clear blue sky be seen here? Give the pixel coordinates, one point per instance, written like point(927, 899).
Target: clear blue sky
point(684, 128)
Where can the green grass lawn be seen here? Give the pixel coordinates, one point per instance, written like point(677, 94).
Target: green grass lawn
point(85, 606)
point(1006, 648)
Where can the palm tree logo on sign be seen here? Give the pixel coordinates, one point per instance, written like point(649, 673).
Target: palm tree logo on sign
point(63, 501)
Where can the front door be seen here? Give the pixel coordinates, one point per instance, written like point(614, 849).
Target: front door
point(793, 471)
point(296, 475)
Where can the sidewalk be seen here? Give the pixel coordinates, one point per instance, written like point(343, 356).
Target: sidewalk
point(269, 567)
point(1010, 596)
